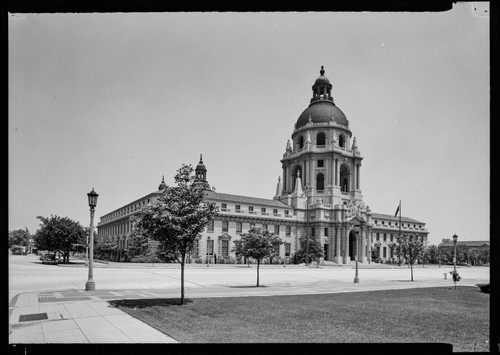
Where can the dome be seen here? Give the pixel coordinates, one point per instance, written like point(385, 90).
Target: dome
point(322, 112)
point(322, 80)
point(200, 165)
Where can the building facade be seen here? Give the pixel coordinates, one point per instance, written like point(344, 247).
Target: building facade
point(318, 196)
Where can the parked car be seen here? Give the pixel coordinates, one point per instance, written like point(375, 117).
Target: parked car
point(49, 259)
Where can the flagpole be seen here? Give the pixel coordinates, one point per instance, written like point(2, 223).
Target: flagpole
point(399, 260)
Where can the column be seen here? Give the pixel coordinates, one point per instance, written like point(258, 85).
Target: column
point(363, 244)
point(312, 182)
point(346, 244)
point(353, 180)
point(359, 183)
point(337, 172)
point(285, 181)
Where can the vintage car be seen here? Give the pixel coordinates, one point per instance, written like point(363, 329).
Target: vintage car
point(49, 259)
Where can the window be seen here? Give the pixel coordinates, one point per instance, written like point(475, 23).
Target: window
point(250, 209)
point(225, 226)
point(210, 227)
point(288, 230)
point(301, 142)
point(264, 227)
point(239, 227)
point(210, 247)
point(277, 249)
point(378, 237)
point(287, 249)
point(225, 247)
point(237, 208)
point(385, 239)
point(385, 252)
point(326, 232)
point(287, 212)
point(320, 139)
point(276, 229)
point(321, 163)
point(392, 237)
point(383, 222)
point(320, 182)
point(342, 141)
point(224, 206)
point(312, 232)
point(275, 211)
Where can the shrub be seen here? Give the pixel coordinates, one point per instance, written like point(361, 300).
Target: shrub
point(485, 288)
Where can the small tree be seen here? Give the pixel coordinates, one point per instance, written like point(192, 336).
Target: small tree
point(177, 217)
point(257, 244)
point(411, 249)
point(315, 251)
point(19, 237)
point(58, 234)
point(105, 246)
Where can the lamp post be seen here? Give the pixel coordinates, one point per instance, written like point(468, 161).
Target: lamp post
point(90, 285)
point(455, 238)
point(356, 278)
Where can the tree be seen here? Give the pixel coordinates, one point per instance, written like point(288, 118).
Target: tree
point(411, 249)
point(19, 237)
point(177, 217)
point(59, 234)
point(257, 244)
point(105, 246)
point(431, 254)
point(315, 251)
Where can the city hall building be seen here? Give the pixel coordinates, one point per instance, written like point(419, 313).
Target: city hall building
point(318, 196)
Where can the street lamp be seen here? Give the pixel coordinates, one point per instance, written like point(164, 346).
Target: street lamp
point(356, 278)
point(455, 238)
point(92, 195)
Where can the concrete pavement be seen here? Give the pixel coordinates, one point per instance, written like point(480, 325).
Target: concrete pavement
point(75, 316)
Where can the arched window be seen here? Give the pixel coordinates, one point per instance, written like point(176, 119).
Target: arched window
point(294, 176)
point(344, 178)
point(320, 182)
point(320, 139)
point(342, 141)
point(301, 142)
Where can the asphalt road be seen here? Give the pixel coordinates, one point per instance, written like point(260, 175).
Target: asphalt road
point(27, 273)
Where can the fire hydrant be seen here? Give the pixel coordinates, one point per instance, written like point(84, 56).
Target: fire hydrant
point(445, 275)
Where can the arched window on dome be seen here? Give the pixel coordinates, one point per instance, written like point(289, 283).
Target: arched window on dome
point(320, 139)
point(301, 142)
point(342, 141)
point(320, 182)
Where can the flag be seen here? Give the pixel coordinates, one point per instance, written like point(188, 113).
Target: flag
point(397, 210)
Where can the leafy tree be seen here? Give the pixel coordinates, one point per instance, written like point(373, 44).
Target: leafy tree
point(19, 237)
point(177, 217)
point(431, 254)
point(375, 254)
point(393, 247)
point(411, 249)
point(315, 251)
point(105, 246)
point(257, 244)
point(137, 243)
point(58, 234)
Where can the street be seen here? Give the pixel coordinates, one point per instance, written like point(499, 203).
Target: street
point(27, 273)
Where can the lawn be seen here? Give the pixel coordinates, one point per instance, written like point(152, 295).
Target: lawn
point(426, 315)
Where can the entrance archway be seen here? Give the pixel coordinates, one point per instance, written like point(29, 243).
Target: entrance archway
point(352, 245)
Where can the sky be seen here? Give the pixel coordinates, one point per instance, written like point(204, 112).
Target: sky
point(113, 101)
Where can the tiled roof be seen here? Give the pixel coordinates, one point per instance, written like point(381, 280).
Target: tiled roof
point(392, 218)
point(245, 199)
point(472, 243)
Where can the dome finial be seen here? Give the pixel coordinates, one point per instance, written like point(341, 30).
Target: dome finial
point(201, 158)
point(322, 71)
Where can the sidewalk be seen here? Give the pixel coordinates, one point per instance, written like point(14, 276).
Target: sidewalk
point(76, 316)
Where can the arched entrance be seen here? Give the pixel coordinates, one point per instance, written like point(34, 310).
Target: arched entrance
point(352, 245)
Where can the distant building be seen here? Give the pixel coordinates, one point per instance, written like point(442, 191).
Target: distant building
point(470, 245)
point(318, 196)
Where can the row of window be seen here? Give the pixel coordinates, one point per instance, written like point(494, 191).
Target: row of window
point(239, 227)
point(116, 229)
point(225, 248)
point(321, 140)
point(126, 210)
point(384, 237)
point(251, 209)
point(402, 224)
